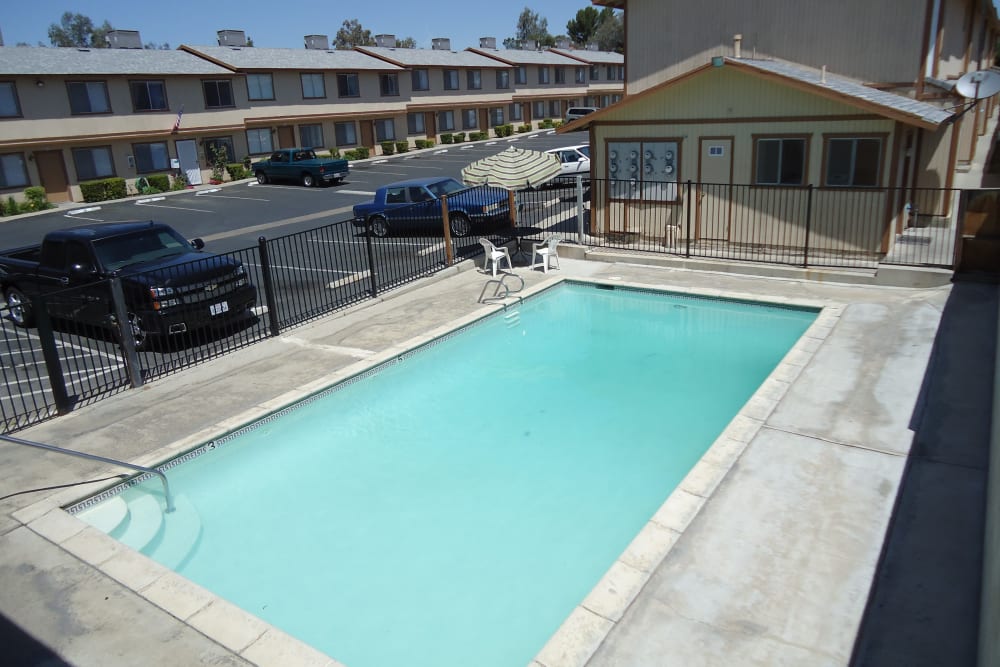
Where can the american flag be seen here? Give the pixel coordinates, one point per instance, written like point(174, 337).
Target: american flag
point(177, 123)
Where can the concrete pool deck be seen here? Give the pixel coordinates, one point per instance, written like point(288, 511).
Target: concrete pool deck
point(770, 551)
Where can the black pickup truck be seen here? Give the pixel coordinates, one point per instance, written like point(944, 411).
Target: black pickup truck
point(170, 285)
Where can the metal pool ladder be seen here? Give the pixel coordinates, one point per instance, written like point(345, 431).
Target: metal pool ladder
point(501, 289)
point(102, 459)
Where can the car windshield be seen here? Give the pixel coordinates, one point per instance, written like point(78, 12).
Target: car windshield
point(585, 151)
point(116, 252)
point(445, 187)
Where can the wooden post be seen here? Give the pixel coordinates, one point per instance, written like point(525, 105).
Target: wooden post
point(512, 205)
point(449, 251)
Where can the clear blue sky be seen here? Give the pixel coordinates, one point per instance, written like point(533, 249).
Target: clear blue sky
point(282, 24)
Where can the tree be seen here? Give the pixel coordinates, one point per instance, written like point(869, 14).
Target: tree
point(530, 26)
point(406, 43)
point(581, 28)
point(352, 34)
point(153, 45)
point(610, 35)
point(78, 30)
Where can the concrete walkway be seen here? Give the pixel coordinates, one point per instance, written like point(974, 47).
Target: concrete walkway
point(771, 555)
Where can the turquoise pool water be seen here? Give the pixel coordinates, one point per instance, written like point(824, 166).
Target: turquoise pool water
point(454, 508)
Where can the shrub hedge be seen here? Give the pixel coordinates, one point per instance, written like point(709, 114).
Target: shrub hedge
point(103, 189)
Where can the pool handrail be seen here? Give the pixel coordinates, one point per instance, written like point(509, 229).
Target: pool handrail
point(96, 457)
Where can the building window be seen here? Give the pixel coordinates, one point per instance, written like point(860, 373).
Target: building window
point(450, 79)
point(151, 157)
point(260, 87)
point(345, 134)
point(543, 75)
point(93, 163)
point(88, 97)
point(560, 75)
point(385, 130)
point(503, 79)
point(388, 84)
point(215, 145)
point(538, 109)
point(311, 136)
point(13, 171)
point(420, 79)
point(595, 72)
point(474, 79)
point(853, 162)
point(645, 170)
point(469, 119)
point(496, 116)
point(148, 95)
point(555, 109)
point(9, 106)
point(446, 120)
point(347, 85)
point(621, 72)
point(313, 85)
point(521, 75)
point(259, 141)
point(780, 161)
point(611, 72)
point(581, 75)
point(415, 123)
point(516, 111)
point(218, 94)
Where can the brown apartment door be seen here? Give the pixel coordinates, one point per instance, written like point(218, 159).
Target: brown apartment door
point(484, 120)
point(286, 136)
point(52, 174)
point(430, 124)
point(367, 134)
point(715, 178)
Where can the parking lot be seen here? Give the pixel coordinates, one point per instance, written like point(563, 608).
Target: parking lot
point(314, 251)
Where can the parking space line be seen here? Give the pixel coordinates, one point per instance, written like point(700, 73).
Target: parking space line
point(89, 209)
point(179, 208)
point(363, 193)
point(80, 217)
point(232, 197)
point(302, 268)
point(357, 277)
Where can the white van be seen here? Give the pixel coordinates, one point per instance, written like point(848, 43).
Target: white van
point(578, 112)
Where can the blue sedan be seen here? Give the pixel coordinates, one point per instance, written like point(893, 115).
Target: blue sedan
point(417, 202)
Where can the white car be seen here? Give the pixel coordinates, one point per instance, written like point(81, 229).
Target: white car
point(575, 160)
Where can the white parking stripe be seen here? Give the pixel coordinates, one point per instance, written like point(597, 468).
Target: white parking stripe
point(179, 208)
point(231, 197)
point(363, 193)
point(302, 268)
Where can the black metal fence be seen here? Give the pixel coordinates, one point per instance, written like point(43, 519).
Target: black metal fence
point(290, 280)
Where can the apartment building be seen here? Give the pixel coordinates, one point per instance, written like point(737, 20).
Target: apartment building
point(69, 115)
point(737, 97)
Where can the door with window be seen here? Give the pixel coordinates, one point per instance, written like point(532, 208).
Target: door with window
point(187, 154)
point(286, 136)
point(52, 174)
point(714, 207)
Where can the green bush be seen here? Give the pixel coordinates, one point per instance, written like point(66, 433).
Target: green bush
point(103, 189)
point(447, 138)
point(478, 136)
point(524, 128)
point(359, 153)
point(35, 200)
point(335, 153)
point(459, 137)
point(546, 123)
point(180, 181)
point(160, 182)
point(237, 171)
point(388, 147)
point(13, 208)
point(402, 146)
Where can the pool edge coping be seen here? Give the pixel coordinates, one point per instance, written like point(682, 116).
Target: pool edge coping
point(579, 636)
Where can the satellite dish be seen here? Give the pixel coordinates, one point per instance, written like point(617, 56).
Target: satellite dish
point(978, 85)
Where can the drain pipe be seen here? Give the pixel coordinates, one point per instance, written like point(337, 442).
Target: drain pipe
point(102, 459)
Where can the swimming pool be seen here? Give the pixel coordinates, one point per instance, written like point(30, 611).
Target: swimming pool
point(454, 508)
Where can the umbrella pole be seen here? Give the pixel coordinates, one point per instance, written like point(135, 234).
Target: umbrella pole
point(512, 206)
point(449, 251)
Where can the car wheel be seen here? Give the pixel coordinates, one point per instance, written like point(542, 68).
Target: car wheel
point(19, 307)
point(139, 333)
point(459, 224)
point(379, 226)
point(262, 178)
point(308, 180)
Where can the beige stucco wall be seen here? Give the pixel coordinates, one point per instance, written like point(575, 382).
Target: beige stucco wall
point(872, 41)
point(954, 37)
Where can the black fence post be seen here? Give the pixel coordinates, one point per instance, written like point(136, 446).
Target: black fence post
point(371, 260)
point(687, 233)
point(809, 214)
point(125, 336)
point(265, 272)
point(52, 364)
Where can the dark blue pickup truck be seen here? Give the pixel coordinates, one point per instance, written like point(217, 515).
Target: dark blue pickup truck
point(170, 285)
point(300, 165)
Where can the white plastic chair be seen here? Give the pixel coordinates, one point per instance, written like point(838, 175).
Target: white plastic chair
point(494, 254)
point(546, 252)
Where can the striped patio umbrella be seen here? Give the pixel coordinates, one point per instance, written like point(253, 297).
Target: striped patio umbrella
point(513, 168)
